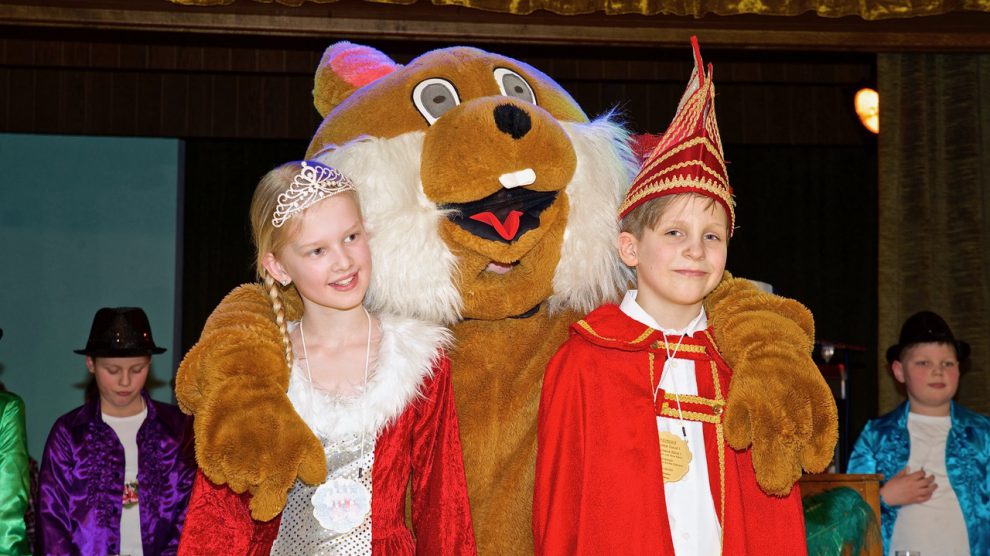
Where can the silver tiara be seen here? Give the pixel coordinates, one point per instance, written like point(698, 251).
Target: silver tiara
point(312, 184)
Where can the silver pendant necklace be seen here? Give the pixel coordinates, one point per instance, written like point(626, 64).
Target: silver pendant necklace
point(341, 504)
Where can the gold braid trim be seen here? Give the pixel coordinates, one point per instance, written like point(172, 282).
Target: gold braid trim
point(686, 348)
point(690, 111)
point(690, 398)
point(716, 405)
point(673, 183)
point(720, 441)
point(672, 412)
point(680, 165)
point(646, 333)
point(704, 141)
point(714, 345)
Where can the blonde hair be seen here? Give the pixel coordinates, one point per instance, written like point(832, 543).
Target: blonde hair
point(647, 216)
point(269, 239)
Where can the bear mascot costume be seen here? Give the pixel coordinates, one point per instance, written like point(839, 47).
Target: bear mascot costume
point(491, 201)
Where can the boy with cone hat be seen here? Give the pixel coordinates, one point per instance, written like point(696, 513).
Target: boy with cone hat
point(642, 448)
point(933, 453)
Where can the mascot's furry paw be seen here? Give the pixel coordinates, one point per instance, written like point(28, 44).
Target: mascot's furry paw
point(248, 436)
point(778, 401)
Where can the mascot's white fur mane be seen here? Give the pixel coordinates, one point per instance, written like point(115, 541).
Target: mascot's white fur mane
point(420, 280)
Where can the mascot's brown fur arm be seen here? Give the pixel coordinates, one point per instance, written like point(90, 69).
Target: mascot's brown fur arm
point(234, 381)
point(778, 400)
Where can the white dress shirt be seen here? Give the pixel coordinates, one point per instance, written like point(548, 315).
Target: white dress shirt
point(694, 526)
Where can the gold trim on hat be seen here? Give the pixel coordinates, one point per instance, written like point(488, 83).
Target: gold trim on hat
point(687, 145)
point(682, 165)
point(697, 107)
point(653, 187)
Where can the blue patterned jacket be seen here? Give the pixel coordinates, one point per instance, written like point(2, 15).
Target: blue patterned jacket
point(885, 445)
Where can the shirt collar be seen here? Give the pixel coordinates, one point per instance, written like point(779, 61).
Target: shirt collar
point(633, 310)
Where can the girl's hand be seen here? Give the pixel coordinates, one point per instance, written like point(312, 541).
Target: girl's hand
point(908, 488)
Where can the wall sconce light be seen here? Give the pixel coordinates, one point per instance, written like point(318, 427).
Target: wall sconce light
point(867, 102)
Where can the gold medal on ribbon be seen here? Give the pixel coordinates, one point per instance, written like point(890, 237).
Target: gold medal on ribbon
point(674, 457)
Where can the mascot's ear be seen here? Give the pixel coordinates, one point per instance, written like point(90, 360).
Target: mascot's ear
point(346, 67)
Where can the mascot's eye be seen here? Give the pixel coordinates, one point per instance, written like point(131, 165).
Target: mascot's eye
point(513, 85)
point(434, 97)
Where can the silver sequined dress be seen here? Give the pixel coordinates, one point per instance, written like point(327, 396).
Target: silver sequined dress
point(300, 533)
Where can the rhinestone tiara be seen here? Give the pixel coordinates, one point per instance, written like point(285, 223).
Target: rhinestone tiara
point(312, 184)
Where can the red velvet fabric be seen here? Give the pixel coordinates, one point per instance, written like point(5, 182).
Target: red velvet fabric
point(423, 443)
point(643, 144)
point(599, 487)
point(218, 522)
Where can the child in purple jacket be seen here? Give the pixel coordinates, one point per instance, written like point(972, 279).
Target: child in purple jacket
point(116, 472)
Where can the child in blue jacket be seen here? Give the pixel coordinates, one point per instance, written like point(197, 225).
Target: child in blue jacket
point(934, 454)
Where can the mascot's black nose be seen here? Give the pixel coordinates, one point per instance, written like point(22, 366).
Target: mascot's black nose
point(512, 120)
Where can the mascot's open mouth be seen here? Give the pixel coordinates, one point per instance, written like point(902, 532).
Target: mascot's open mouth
point(502, 216)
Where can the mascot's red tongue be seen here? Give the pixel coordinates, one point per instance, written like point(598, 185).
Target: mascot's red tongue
point(505, 229)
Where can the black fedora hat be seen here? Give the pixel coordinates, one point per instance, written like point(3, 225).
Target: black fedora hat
point(120, 332)
point(924, 327)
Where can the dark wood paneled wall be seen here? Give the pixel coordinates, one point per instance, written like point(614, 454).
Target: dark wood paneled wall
point(220, 176)
point(126, 85)
point(763, 98)
point(234, 87)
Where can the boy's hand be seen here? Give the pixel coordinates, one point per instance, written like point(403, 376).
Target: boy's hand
point(908, 488)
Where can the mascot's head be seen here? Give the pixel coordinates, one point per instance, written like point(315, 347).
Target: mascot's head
point(487, 191)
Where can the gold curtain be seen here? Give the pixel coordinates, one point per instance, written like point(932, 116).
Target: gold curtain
point(934, 237)
point(867, 9)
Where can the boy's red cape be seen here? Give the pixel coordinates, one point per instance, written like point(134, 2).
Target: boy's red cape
point(598, 479)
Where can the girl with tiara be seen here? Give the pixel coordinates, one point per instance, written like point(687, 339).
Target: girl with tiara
point(375, 390)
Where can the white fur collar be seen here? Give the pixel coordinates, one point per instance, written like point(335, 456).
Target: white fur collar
point(408, 351)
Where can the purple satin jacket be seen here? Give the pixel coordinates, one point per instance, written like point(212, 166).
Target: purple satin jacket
point(81, 482)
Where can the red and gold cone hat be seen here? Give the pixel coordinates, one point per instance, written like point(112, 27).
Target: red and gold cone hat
point(688, 158)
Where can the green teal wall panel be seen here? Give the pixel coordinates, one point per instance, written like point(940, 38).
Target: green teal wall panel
point(85, 222)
